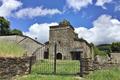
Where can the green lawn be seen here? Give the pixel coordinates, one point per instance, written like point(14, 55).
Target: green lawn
point(8, 49)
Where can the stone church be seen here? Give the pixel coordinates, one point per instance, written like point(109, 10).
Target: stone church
point(68, 45)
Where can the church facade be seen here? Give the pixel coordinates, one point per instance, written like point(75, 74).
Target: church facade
point(68, 45)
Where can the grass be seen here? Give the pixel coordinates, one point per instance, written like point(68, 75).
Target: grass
point(46, 77)
point(8, 49)
point(46, 66)
point(109, 74)
point(63, 66)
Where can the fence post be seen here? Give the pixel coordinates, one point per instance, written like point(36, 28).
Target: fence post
point(30, 64)
point(81, 66)
point(55, 52)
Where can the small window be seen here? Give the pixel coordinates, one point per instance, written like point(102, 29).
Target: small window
point(59, 42)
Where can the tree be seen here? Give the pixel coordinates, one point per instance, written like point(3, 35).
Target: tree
point(115, 47)
point(4, 26)
point(16, 32)
point(99, 52)
point(65, 23)
point(106, 48)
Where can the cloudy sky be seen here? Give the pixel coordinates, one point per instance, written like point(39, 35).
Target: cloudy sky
point(97, 21)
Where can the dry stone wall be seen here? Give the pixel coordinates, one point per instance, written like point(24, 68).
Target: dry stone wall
point(10, 67)
point(101, 62)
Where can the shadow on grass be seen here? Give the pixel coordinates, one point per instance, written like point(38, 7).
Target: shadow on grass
point(59, 74)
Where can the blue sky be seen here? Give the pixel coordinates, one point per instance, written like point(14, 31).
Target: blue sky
point(87, 16)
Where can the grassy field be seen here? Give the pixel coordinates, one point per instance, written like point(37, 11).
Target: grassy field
point(8, 49)
point(46, 66)
point(62, 67)
point(68, 67)
point(109, 74)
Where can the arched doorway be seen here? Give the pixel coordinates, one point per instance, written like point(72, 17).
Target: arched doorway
point(59, 56)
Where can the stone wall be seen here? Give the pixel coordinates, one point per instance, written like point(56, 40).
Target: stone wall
point(104, 62)
point(60, 36)
point(106, 65)
point(10, 67)
point(68, 43)
point(115, 57)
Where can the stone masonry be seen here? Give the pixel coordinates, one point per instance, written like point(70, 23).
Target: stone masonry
point(12, 66)
point(69, 46)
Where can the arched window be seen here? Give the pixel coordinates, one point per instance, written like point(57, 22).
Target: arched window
point(59, 56)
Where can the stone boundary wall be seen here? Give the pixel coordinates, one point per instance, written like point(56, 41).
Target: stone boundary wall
point(12, 66)
point(106, 65)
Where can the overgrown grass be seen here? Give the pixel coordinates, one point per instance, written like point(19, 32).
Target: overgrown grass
point(66, 66)
point(46, 66)
point(62, 67)
point(8, 49)
point(109, 74)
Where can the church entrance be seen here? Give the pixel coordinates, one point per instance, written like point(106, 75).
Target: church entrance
point(59, 56)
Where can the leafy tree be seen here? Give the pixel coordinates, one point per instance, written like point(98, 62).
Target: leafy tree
point(65, 23)
point(16, 32)
point(115, 46)
point(97, 51)
point(4, 26)
point(106, 48)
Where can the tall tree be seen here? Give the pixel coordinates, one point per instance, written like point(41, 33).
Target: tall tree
point(16, 32)
point(4, 26)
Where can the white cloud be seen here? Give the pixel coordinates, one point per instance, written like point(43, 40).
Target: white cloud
point(102, 3)
point(105, 30)
point(41, 31)
point(34, 12)
point(77, 5)
point(8, 6)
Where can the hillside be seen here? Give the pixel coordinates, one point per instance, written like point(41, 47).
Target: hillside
point(114, 47)
point(105, 47)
